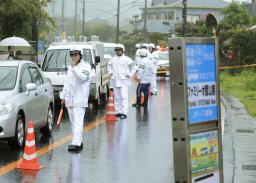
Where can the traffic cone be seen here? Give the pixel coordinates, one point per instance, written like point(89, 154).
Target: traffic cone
point(111, 108)
point(142, 99)
point(29, 160)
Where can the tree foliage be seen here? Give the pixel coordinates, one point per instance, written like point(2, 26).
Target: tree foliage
point(235, 17)
point(198, 29)
point(233, 35)
point(17, 16)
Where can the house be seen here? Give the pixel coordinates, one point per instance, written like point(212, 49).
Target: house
point(162, 15)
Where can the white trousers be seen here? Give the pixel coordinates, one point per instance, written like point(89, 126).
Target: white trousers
point(121, 99)
point(153, 85)
point(76, 117)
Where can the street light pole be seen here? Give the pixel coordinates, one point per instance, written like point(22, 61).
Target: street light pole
point(135, 22)
point(62, 16)
point(83, 17)
point(117, 21)
point(184, 16)
point(145, 23)
point(75, 18)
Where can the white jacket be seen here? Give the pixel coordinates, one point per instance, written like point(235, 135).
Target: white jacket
point(145, 71)
point(122, 69)
point(155, 61)
point(77, 85)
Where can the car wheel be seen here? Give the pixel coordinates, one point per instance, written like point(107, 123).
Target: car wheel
point(47, 130)
point(19, 139)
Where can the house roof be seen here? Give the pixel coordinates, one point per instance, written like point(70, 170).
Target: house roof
point(216, 4)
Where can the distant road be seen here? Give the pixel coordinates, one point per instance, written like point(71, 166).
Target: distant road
point(3, 56)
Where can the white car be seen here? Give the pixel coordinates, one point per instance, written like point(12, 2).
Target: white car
point(25, 94)
point(109, 50)
point(57, 59)
point(163, 64)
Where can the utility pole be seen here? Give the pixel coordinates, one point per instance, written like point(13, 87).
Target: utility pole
point(53, 9)
point(117, 21)
point(184, 16)
point(145, 23)
point(62, 16)
point(135, 22)
point(83, 17)
point(75, 18)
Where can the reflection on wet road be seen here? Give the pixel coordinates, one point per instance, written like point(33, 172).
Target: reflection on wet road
point(136, 149)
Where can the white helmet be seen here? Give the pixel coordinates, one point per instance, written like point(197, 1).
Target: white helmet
point(119, 46)
point(137, 46)
point(143, 52)
point(151, 45)
point(75, 50)
point(144, 45)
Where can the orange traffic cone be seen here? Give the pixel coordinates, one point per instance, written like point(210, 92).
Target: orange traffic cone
point(142, 99)
point(29, 160)
point(111, 108)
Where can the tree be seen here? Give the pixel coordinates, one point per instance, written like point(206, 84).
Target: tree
point(235, 17)
point(234, 37)
point(198, 29)
point(17, 16)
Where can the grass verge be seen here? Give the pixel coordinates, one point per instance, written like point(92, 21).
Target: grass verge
point(242, 86)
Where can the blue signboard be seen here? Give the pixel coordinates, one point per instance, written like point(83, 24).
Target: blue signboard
point(41, 46)
point(201, 83)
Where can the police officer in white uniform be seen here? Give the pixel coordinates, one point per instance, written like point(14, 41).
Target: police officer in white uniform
point(155, 57)
point(75, 95)
point(144, 76)
point(122, 69)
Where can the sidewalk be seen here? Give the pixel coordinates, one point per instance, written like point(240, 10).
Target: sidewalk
point(239, 142)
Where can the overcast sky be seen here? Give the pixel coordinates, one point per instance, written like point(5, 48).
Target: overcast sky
point(104, 9)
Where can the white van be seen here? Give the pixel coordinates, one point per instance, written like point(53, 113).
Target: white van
point(57, 58)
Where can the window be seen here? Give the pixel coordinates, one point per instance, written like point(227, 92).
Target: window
point(36, 78)
point(193, 18)
point(8, 77)
point(56, 60)
point(63, 59)
point(87, 56)
point(25, 79)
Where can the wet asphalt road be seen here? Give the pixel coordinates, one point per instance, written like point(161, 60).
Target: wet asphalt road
point(133, 150)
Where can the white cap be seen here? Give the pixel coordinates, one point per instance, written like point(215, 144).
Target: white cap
point(137, 46)
point(75, 50)
point(119, 46)
point(151, 45)
point(143, 52)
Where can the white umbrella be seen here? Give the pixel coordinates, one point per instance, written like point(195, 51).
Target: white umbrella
point(14, 41)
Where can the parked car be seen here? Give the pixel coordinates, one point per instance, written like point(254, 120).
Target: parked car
point(163, 63)
point(25, 94)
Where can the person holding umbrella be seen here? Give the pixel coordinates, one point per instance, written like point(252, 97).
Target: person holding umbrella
point(12, 42)
point(11, 55)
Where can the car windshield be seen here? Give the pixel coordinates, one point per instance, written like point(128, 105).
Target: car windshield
point(87, 56)
point(163, 55)
point(58, 60)
point(109, 51)
point(8, 77)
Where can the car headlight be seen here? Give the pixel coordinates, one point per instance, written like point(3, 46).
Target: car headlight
point(5, 108)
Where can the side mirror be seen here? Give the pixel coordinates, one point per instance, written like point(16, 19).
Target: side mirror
point(30, 86)
point(97, 59)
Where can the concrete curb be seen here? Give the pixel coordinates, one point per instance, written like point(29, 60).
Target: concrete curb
point(239, 142)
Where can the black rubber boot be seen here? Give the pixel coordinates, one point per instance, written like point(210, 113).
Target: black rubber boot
point(145, 104)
